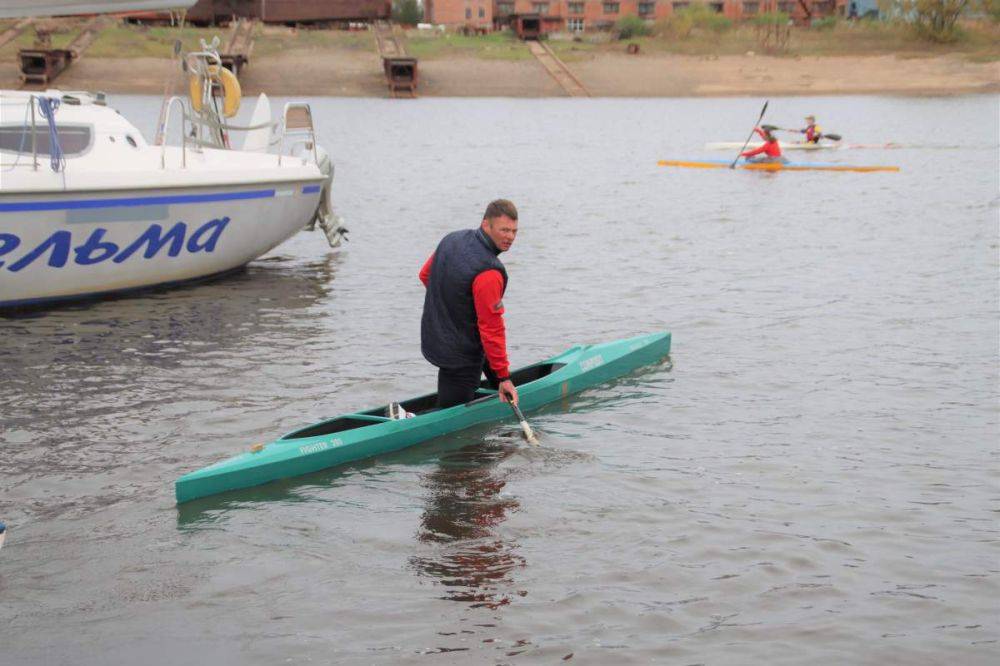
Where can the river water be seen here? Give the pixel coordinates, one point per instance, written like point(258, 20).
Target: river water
point(814, 480)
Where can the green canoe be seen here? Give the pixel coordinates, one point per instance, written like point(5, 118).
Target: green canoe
point(364, 434)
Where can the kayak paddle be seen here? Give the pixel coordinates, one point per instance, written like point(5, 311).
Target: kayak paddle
point(733, 165)
point(525, 428)
point(822, 135)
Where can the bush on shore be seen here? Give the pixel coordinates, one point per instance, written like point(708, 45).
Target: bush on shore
point(933, 20)
point(992, 9)
point(407, 12)
point(631, 26)
point(825, 23)
point(771, 18)
point(694, 18)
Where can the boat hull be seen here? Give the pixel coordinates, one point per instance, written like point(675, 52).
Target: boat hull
point(62, 246)
point(774, 166)
point(365, 434)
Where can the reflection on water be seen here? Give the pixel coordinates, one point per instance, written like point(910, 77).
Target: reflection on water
point(465, 506)
point(110, 370)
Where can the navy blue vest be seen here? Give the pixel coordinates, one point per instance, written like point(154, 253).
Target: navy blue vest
point(449, 329)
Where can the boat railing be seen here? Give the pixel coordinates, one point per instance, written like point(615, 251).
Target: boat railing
point(298, 122)
point(34, 136)
point(161, 136)
point(190, 138)
point(297, 125)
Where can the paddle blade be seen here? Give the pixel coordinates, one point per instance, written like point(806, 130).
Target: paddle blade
point(529, 435)
point(832, 137)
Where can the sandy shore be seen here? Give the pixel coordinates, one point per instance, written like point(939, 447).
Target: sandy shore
point(359, 74)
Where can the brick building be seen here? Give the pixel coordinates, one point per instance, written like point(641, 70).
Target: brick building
point(460, 13)
point(577, 15)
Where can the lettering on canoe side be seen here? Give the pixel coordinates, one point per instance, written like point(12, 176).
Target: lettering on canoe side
point(316, 447)
point(594, 361)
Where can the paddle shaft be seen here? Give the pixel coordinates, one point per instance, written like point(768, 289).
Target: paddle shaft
point(525, 428)
point(747, 142)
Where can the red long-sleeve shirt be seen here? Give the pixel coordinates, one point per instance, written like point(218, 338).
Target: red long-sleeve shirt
point(770, 148)
point(487, 296)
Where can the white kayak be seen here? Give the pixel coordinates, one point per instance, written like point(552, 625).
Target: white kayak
point(791, 145)
point(802, 145)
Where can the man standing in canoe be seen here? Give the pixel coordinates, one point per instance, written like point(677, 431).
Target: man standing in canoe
point(770, 151)
point(462, 329)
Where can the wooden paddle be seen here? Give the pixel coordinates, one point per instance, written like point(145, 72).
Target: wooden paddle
point(525, 428)
point(733, 165)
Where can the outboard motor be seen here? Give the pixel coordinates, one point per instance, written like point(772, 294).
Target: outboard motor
point(331, 223)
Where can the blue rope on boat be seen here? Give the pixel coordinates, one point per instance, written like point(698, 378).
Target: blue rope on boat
point(48, 106)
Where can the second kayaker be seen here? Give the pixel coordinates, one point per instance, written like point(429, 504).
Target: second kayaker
point(462, 330)
point(770, 151)
point(812, 131)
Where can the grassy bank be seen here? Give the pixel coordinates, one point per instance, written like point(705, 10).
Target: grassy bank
point(495, 46)
point(124, 40)
point(979, 42)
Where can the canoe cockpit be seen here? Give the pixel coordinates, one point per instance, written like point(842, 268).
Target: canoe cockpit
point(422, 405)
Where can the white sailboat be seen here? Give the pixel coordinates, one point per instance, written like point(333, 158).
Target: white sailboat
point(89, 207)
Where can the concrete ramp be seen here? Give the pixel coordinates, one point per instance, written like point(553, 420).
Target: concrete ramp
point(557, 69)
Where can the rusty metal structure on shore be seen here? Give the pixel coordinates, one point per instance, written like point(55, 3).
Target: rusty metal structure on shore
point(526, 26)
point(42, 63)
point(400, 69)
point(236, 54)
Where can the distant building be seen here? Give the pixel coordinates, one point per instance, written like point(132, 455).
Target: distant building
point(579, 15)
point(289, 11)
point(476, 14)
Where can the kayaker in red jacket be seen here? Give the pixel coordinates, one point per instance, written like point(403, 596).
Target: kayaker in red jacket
point(462, 330)
point(770, 150)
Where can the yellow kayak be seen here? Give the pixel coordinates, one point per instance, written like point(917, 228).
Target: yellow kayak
point(774, 166)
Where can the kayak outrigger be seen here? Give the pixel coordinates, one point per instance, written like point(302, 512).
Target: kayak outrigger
point(369, 433)
point(774, 166)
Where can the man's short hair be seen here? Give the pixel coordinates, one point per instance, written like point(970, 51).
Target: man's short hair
point(498, 208)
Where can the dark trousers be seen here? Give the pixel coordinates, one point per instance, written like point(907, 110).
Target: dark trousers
point(458, 385)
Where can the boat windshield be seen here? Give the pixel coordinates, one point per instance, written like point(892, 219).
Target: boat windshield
point(73, 139)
